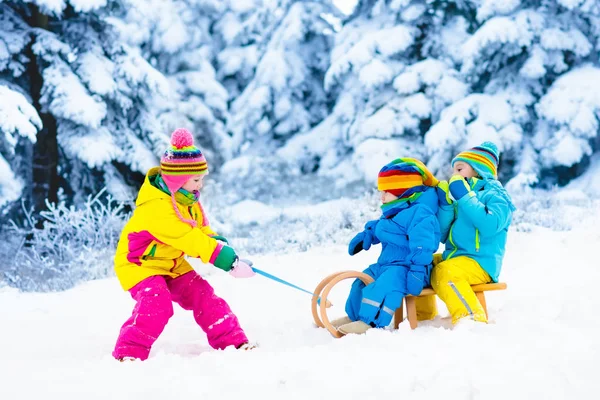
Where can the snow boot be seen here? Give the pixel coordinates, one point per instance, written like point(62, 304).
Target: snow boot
point(356, 327)
point(246, 346)
point(124, 359)
point(340, 321)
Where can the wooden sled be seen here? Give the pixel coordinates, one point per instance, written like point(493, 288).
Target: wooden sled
point(319, 311)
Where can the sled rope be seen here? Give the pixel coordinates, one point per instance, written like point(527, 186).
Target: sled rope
point(276, 279)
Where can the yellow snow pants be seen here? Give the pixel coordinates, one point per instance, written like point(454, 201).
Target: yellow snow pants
point(452, 280)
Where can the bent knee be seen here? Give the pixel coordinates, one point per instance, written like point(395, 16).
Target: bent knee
point(163, 305)
point(441, 275)
point(157, 304)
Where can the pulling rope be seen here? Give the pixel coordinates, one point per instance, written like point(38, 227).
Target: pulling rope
point(276, 279)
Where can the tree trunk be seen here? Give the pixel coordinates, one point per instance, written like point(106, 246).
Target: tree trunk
point(44, 174)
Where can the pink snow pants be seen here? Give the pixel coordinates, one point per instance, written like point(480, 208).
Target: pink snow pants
point(154, 297)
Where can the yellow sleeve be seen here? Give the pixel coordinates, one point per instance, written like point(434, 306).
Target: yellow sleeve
point(207, 230)
point(162, 222)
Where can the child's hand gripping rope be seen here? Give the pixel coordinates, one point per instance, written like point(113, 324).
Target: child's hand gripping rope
point(242, 269)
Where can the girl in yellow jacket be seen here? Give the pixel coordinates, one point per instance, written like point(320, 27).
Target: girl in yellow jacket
point(168, 224)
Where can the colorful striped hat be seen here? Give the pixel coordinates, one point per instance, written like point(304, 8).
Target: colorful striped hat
point(403, 174)
point(483, 159)
point(182, 160)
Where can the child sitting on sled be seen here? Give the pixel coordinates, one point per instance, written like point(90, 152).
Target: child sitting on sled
point(409, 234)
point(168, 224)
point(475, 213)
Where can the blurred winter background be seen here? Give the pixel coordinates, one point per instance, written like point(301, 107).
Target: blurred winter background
point(296, 104)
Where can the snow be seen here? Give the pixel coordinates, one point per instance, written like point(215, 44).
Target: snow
point(87, 5)
point(570, 106)
point(12, 42)
point(345, 6)
point(452, 36)
point(96, 148)
point(233, 60)
point(534, 67)
point(490, 8)
point(10, 186)
point(572, 40)
point(97, 73)
point(375, 74)
point(372, 154)
point(252, 211)
point(258, 213)
point(50, 6)
point(243, 6)
point(384, 42)
point(541, 341)
point(590, 181)
point(517, 31)
point(17, 116)
point(67, 98)
point(468, 122)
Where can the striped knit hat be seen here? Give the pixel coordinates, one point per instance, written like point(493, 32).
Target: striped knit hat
point(483, 159)
point(403, 174)
point(182, 160)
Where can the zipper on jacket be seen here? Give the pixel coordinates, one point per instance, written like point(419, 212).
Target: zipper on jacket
point(451, 242)
point(152, 252)
point(477, 240)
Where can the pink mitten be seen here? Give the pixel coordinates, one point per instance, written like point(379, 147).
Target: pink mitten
point(242, 269)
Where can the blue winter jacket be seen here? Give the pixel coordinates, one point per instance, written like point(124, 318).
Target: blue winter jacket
point(476, 226)
point(412, 235)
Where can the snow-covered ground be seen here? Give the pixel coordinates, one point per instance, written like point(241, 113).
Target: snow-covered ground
point(542, 340)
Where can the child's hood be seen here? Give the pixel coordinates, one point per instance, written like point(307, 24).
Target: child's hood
point(496, 186)
point(148, 192)
point(429, 198)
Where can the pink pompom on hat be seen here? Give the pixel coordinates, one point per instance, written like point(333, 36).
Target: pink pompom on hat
point(182, 160)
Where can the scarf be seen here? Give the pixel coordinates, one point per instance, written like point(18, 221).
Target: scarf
point(394, 207)
point(182, 196)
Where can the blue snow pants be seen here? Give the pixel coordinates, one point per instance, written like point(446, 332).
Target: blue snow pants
point(375, 304)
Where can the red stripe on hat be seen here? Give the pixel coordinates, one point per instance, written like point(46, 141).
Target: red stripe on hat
point(395, 172)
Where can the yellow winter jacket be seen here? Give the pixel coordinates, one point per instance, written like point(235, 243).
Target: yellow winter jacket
point(154, 241)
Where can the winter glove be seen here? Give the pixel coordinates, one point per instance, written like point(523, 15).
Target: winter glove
point(242, 269)
point(415, 279)
point(459, 187)
point(221, 238)
point(442, 192)
point(371, 225)
point(225, 259)
point(363, 240)
point(359, 243)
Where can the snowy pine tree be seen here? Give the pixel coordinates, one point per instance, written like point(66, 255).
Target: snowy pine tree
point(431, 78)
point(285, 95)
point(391, 74)
point(180, 39)
point(91, 101)
point(92, 88)
point(518, 61)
